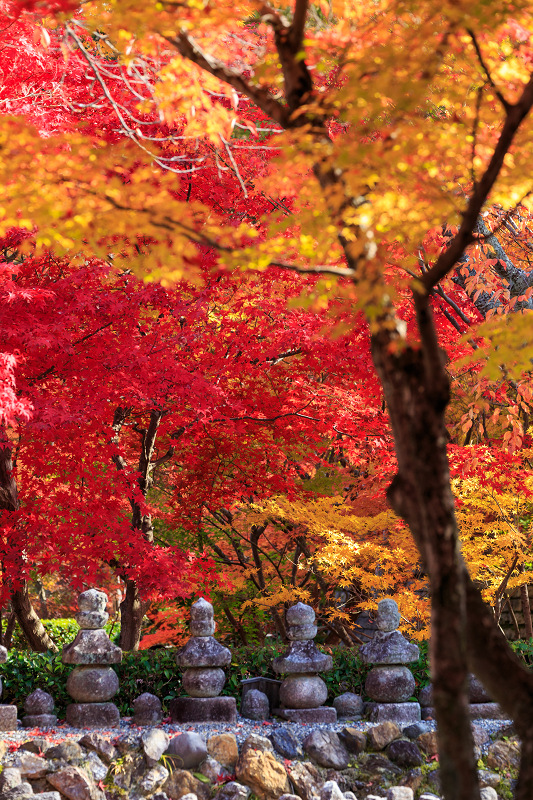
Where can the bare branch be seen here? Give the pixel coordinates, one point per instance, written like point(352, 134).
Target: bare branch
point(297, 28)
point(505, 103)
point(188, 48)
point(465, 235)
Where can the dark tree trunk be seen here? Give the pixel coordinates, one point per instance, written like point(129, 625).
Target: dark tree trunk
point(132, 610)
point(417, 392)
point(32, 627)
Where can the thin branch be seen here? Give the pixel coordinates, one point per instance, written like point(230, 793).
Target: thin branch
point(188, 48)
point(465, 235)
point(505, 103)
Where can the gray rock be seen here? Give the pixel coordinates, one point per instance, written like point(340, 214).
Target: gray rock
point(189, 796)
point(302, 657)
point(389, 648)
point(400, 793)
point(285, 744)
point(97, 768)
point(9, 778)
point(202, 618)
point(3, 654)
point(92, 620)
point(405, 754)
point(203, 682)
point(47, 796)
point(349, 796)
point(20, 792)
point(289, 797)
point(414, 730)
point(488, 778)
point(8, 718)
point(69, 750)
point(331, 791)
point(487, 711)
point(233, 791)
point(425, 696)
point(154, 742)
point(100, 745)
point(255, 705)
point(147, 710)
point(326, 749)
point(488, 793)
point(153, 779)
point(477, 692)
point(91, 647)
point(306, 779)
point(75, 784)
point(30, 765)
point(303, 691)
point(39, 702)
point(39, 745)
point(348, 705)
point(93, 715)
point(214, 771)
point(203, 651)
point(390, 684)
point(39, 721)
point(90, 684)
point(388, 616)
point(187, 750)
point(92, 600)
point(353, 740)
point(256, 742)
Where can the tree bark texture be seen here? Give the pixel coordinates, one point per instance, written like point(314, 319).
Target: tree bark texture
point(417, 391)
point(32, 627)
point(132, 610)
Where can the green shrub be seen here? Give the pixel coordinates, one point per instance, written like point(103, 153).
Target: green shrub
point(155, 671)
point(62, 631)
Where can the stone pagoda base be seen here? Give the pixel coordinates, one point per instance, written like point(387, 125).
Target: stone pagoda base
point(93, 715)
point(477, 711)
point(401, 713)
point(203, 709)
point(322, 714)
point(8, 718)
point(39, 721)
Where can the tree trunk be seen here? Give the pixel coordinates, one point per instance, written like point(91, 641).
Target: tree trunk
point(32, 627)
point(132, 611)
point(417, 391)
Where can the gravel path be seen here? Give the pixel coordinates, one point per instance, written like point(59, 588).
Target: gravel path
point(242, 728)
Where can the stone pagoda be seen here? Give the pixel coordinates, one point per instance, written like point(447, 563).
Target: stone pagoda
point(303, 693)
point(390, 683)
point(8, 714)
point(93, 682)
point(202, 658)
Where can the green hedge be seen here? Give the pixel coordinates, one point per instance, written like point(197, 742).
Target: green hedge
point(155, 671)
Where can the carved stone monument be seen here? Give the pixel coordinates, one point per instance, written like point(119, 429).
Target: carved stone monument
point(93, 682)
point(303, 693)
point(390, 683)
point(202, 658)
